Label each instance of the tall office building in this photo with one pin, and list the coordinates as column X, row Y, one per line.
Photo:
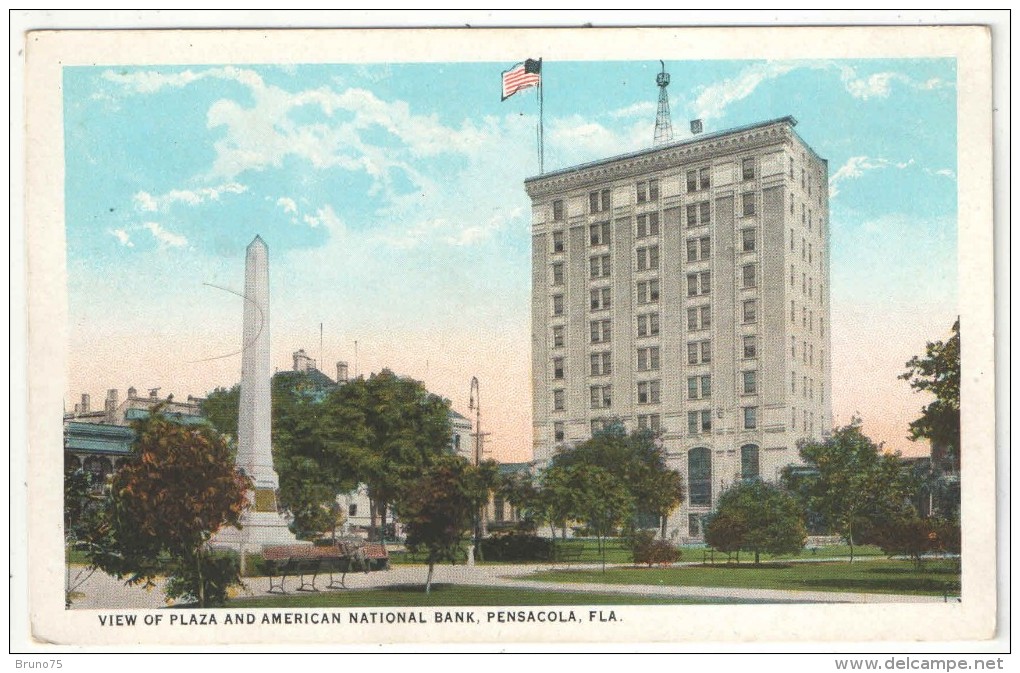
column 684, row 289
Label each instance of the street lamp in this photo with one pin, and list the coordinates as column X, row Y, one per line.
column 475, row 404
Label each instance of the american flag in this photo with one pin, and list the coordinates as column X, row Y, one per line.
column 522, row 76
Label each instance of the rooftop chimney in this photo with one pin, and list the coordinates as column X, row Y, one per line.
column 132, row 392
column 696, row 126
column 84, row 403
column 341, row 372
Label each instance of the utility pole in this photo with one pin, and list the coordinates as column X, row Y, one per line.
column 475, row 405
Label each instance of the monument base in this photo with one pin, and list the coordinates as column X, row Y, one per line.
column 258, row 530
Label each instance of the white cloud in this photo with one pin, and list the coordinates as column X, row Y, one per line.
column 287, row 204
column 164, row 237
column 946, row 173
column 123, row 236
column 855, row 167
column 711, row 101
column 151, row 81
column 879, row 84
column 641, row 109
column 147, row 202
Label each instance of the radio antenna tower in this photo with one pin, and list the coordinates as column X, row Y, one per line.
column 663, row 126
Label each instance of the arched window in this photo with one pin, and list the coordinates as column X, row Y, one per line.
column 71, row 463
column 749, row 464
column 699, row 476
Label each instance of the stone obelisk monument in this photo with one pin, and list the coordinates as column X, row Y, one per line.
column 262, row 524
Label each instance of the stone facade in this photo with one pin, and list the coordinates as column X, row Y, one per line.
column 685, row 289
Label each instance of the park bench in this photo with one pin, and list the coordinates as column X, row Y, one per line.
column 302, row 561
column 567, row 555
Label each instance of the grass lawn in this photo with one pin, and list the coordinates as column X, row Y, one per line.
column 450, row 594
column 868, row 576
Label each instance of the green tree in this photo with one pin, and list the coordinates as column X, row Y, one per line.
column 587, row 493
column 319, row 445
column 220, row 408
column 938, row 373
column 758, row 517
column 638, row 461
column 438, row 508
column 179, row 488
column 407, row 429
column 83, row 507
column 852, row 483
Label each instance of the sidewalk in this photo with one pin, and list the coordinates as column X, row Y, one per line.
column 103, row 591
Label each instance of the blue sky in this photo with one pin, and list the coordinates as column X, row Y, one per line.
column 391, row 197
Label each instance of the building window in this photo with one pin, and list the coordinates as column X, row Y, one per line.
column 648, row 324
column 750, row 382
column 699, row 318
column 651, row 422
column 699, row 476
column 601, row 298
column 749, row 464
column 748, row 169
column 558, row 210
column 748, row 203
column 352, row 509
column 648, row 258
column 694, row 525
column 598, row 233
column 559, row 431
column 750, row 347
column 599, row 201
column 809, row 249
column 699, row 214
column 749, row 276
column 601, row 363
column 648, row 392
column 598, row 425
column 793, row 311
column 647, row 291
column 791, row 167
column 600, row 266
column 748, row 240
column 648, row 191
column 750, row 418
column 698, row 179
column 558, row 368
column 601, row 397
column 699, row 422
column 557, row 239
column 699, row 352
column 647, row 225
column 699, row 249
column 557, row 304
column 699, row 387
column 559, row 397
column 601, row 331
column 648, row 359
column 557, row 273
column 558, row 336
column 699, row 283
column 751, row 310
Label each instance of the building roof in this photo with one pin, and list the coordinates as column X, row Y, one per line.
column 98, row 438
column 701, row 137
column 457, row 416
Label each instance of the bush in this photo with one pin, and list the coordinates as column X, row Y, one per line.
column 649, row 550
column 516, row 547
column 219, row 571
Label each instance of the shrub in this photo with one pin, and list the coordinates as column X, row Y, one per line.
column 649, row 550
column 219, row 571
column 515, row 546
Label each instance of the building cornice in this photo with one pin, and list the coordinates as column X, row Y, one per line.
column 627, row 166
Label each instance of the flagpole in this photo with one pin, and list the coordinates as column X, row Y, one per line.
column 541, row 138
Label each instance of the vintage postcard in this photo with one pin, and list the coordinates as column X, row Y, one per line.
column 633, row 335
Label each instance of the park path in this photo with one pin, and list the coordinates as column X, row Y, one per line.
column 102, row 591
